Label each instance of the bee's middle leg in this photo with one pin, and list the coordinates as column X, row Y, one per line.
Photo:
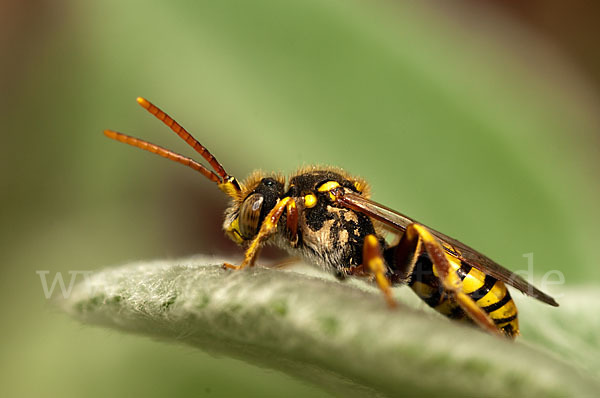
column 374, row 264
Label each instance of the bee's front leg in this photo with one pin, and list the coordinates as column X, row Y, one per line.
column 291, row 222
column 267, row 228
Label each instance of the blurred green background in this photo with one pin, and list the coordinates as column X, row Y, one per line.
column 467, row 117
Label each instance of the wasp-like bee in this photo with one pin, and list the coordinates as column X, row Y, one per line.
column 325, row 216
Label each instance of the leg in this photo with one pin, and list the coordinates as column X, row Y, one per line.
column 374, row 264
column 268, row 227
column 404, row 258
column 292, row 222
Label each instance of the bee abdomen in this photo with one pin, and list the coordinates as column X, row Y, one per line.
column 488, row 293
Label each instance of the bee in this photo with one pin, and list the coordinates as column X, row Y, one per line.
column 326, row 216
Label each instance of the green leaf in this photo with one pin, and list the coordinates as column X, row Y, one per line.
column 340, row 336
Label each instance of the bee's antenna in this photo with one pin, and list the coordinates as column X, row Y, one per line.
column 187, row 137
column 165, row 153
column 226, row 183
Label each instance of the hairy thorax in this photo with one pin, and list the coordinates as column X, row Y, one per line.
column 328, row 235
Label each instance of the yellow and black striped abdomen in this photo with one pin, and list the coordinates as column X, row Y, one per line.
column 488, row 293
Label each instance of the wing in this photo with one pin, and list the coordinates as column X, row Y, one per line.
column 453, row 247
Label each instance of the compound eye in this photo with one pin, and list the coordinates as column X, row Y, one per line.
column 250, row 215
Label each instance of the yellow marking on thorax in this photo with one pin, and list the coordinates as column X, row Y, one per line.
column 359, row 187
column 310, row 200
column 328, row 187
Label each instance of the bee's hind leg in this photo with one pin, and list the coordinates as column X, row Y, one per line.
column 403, row 259
column 267, row 228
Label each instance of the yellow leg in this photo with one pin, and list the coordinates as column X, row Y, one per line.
column 268, row 227
column 374, row 263
column 449, row 279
